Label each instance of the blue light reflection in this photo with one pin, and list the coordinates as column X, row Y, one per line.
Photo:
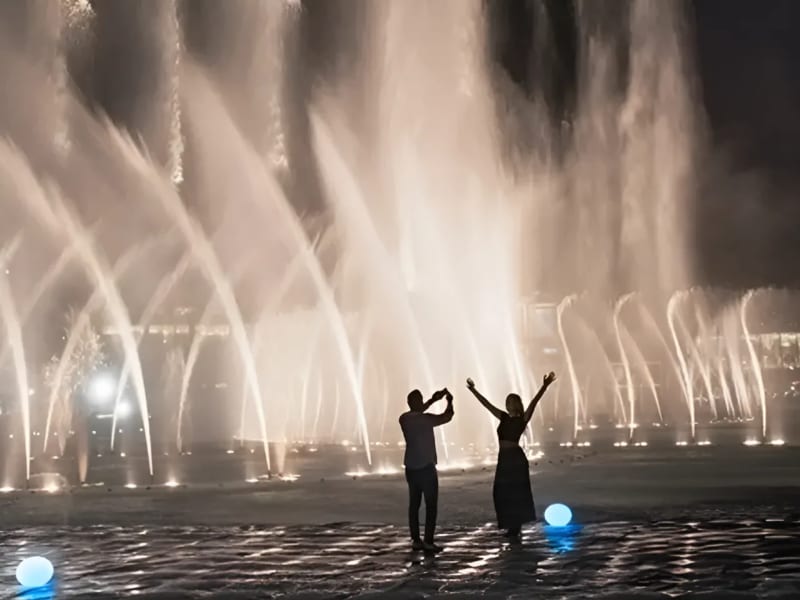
column 45, row 592
column 562, row 539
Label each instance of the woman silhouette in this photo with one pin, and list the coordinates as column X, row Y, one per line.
column 513, row 499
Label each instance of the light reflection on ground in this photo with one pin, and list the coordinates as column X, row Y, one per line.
column 750, row 556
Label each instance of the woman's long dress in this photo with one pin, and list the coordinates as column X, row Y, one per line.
column 513, row 498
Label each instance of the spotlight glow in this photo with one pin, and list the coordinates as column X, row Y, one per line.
column 124, row 409
column 131, row 486
column 455, row 466
column 102, row 388
column 752, row 442
column 6, row 489
column 388, row 471
column 34, row 572
column 777, row 442
column 558, row 515
column 172, row 483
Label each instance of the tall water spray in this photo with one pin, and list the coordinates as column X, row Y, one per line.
column 446, row 195
column 631, row 393
column 573, row 377
column 648, row 374
column 47, row 206
column 80, row 324
column 755, row 366
column 165, row 286
column 686, row 376
column 11, row 321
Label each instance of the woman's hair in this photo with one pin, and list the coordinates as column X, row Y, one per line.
column 514, row 404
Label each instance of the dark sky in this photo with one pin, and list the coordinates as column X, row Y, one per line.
column 749, row 61
column 748, row 58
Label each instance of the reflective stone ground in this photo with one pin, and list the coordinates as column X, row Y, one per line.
column 719, row 522
column 736, row 556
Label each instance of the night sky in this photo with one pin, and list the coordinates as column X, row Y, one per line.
column 748, row 59
column 748, row 55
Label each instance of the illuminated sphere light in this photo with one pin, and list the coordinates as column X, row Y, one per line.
column 558, row 515
column 34, row 572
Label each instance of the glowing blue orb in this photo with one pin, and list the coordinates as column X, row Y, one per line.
column 34, row 572
column 558, row 515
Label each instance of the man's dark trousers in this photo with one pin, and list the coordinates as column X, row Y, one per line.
column 422, row 482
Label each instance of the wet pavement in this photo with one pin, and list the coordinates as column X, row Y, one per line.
column 733, row 556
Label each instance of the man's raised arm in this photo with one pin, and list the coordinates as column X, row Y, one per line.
column 448, row 413
column 437, row 395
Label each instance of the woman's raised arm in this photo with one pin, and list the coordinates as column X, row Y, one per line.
column 548, row 379
column 499, row 414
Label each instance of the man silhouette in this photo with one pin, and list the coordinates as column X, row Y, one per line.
column 420, row 463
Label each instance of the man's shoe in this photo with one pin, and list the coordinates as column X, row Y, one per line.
column 417, row 545
column 431, row 548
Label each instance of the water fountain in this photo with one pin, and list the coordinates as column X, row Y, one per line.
column 288, row 310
